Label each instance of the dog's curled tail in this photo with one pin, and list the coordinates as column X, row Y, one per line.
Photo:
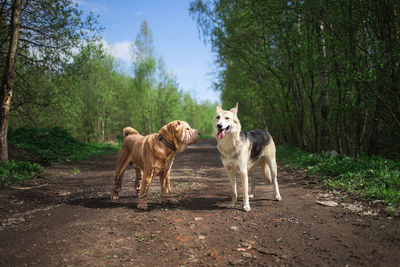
column 128, row 131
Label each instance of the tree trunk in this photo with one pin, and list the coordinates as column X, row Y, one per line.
column 325, row 138
column 7, row 82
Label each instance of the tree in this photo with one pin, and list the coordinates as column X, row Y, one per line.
column 44, row 32
column 144, row 71
column 320, row 74
column 7, row 83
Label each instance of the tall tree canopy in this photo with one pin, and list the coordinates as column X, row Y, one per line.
column 94, row 100
column 320, row 74
column 38, row 34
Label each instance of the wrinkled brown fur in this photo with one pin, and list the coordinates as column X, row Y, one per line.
column 151, row 157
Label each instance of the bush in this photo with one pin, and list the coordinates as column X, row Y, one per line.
column 17, row 171
column 372, row 177
column 55, row 144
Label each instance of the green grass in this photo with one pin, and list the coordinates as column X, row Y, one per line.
column 51, row 145
column 373, row 178
column 56, row 145
column 18, row 171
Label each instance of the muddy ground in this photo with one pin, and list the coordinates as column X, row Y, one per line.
column 68, row 219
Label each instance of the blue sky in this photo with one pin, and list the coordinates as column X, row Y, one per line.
column 175, row 35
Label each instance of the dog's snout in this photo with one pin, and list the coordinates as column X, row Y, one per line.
column 219, row 126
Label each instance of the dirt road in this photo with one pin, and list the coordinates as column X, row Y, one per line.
column 70, row 220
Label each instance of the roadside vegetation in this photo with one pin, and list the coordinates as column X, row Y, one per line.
column 18, row 171
column 372, row 178
column 46, row 146
column 55, row 145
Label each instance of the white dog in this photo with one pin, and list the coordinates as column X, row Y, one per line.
column 242, row 152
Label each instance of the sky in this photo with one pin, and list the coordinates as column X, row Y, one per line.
column 175, row 35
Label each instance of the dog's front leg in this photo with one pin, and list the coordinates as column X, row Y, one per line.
column 144, row 188
column 166, row 188
column 245, row 180
column 232, row 181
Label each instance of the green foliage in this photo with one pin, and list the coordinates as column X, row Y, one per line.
column 56, row 144
column 16, row 171
column 371, row 177
column 93, row 100
column 320, row 74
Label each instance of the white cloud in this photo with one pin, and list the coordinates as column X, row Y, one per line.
column 121, row 50
column 139, row 13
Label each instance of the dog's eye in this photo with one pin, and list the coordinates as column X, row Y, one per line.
column 187, row 129
column 217, row 117
column 226, row 118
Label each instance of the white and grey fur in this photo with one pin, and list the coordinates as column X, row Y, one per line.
column 241, row 152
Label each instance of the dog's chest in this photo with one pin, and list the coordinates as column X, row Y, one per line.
column 232, row 155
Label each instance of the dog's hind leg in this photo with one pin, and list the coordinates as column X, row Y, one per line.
column 266, row 171
column 274, row 173
column 232, row 181
column 253, row 182
column 138, row 180
column 119, row 173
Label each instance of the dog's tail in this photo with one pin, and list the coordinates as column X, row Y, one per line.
column 128, row 131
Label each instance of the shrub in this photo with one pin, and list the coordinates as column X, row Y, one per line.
column 17, row 171
column 372, row 177
column 55, row 144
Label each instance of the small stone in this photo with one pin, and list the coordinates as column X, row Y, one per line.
column 327, row 203
column 234, row 228
column 247, row 255
column 244, row 244
column 236, row 262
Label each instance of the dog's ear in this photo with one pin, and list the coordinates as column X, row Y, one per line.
column 218, row 107
column 235, row 109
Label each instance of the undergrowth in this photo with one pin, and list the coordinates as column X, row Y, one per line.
column 55, row 144
column 18, row 171
column 50, row 145
column 373, row 178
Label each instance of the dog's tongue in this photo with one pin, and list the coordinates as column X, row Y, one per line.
column 221, row 134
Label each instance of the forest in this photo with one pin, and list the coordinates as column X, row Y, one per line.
column 56, row 73
column 320, row 75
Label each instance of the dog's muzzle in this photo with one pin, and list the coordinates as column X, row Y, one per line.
column 195, row 137
column 221, row 132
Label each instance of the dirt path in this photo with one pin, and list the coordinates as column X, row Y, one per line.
column 70, row 221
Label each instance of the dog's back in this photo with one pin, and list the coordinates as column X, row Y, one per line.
column 258, row 139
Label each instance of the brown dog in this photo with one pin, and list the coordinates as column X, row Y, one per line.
column 152, row 155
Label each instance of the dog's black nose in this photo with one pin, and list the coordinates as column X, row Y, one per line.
column 219, row 126
column 198, row 132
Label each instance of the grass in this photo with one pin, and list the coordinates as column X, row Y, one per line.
column 51, row 145
column 373, row 178
column 56, row 145
column 18, row 171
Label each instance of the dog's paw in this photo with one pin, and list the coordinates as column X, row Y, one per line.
column 251, row 195
column 246, row 208
column 114, row 197
column 142, row 206
column 278, row 198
